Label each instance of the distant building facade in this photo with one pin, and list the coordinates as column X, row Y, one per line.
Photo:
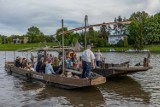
column 114, row 39
column 17, row 41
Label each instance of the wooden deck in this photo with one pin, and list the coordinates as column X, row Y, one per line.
column 55, row 79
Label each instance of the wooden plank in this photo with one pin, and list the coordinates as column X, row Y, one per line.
column 74, row 71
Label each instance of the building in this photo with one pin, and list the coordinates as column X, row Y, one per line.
column 17, row 41
column 114, row 39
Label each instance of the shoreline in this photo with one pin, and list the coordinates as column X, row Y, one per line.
column 129, row 49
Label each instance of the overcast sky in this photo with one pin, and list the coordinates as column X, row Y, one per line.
column 16, row 16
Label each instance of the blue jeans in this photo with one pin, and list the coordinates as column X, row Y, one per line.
column 98, row 63
column 86, row 69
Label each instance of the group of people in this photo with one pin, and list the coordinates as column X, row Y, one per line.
column 47, row 63
column 41, row 65
column 73, row 61
column 23, row 63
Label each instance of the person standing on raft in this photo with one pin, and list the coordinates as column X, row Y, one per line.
column 87, row 61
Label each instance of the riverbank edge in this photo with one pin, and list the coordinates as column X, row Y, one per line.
column 15, row 47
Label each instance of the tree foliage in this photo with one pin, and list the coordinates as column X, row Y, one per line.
column 35, row 35
column 120, row 43
column 103, row 32
column 119, row 28
column 3, row 39
column 69, row 38
column 137, row 29
column 125, row 42
column 153, row 29
column 91, row 36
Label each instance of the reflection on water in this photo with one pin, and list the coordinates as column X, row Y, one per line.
column 48, row 96
column 124, row 88
column 138, row 90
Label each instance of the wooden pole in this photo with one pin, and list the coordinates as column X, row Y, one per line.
column 5, row 56
column 62, row 48
column 27, row 55
column 14, row 55
column 86, row 19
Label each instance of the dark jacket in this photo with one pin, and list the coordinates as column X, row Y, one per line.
column 42, row 68
column 38, row 66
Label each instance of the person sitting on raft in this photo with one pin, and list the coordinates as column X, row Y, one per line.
column 68, row 62
column 39, row 63
column 18, row 61
column 42, row 67
column 56, row 61
column 75, row 62
column 48, row 68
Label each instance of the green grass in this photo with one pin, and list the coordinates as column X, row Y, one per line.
column 8, row 47
column 153, row 47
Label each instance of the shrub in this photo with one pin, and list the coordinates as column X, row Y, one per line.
column 125, row 42
column 120, row 43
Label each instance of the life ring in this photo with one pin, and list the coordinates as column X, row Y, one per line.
column 70, row 53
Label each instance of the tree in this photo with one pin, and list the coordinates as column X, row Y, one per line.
column 104, row 33
column 120, row 43
column 34, row 33
column 67, row 37
column 153, row 29
column 137, row 29
column 3, row 39
column 100, row 42
column 91, row 36
column 48, row 38
column 74, row 38
column 119, row 28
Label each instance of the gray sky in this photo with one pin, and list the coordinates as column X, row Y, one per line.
column 18, row 15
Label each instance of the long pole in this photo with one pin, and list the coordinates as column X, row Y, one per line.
column 27, row 54
column 5, row 56
column 62, row 47
column 86, row 17
column 14, row 55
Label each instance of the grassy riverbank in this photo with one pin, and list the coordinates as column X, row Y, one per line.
column 152, row 48
column 11, row 47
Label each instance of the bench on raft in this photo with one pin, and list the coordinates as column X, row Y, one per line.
column 74, row 71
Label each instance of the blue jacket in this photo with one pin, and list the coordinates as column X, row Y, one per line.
column 49, row 69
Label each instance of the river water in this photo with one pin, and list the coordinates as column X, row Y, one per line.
column 136, row 90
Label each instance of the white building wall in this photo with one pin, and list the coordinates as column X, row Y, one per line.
column 115, row 39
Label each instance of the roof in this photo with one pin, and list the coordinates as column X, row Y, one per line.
column 77, row 47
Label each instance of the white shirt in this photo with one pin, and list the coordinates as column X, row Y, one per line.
column 98, row 56
column 87, row 55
